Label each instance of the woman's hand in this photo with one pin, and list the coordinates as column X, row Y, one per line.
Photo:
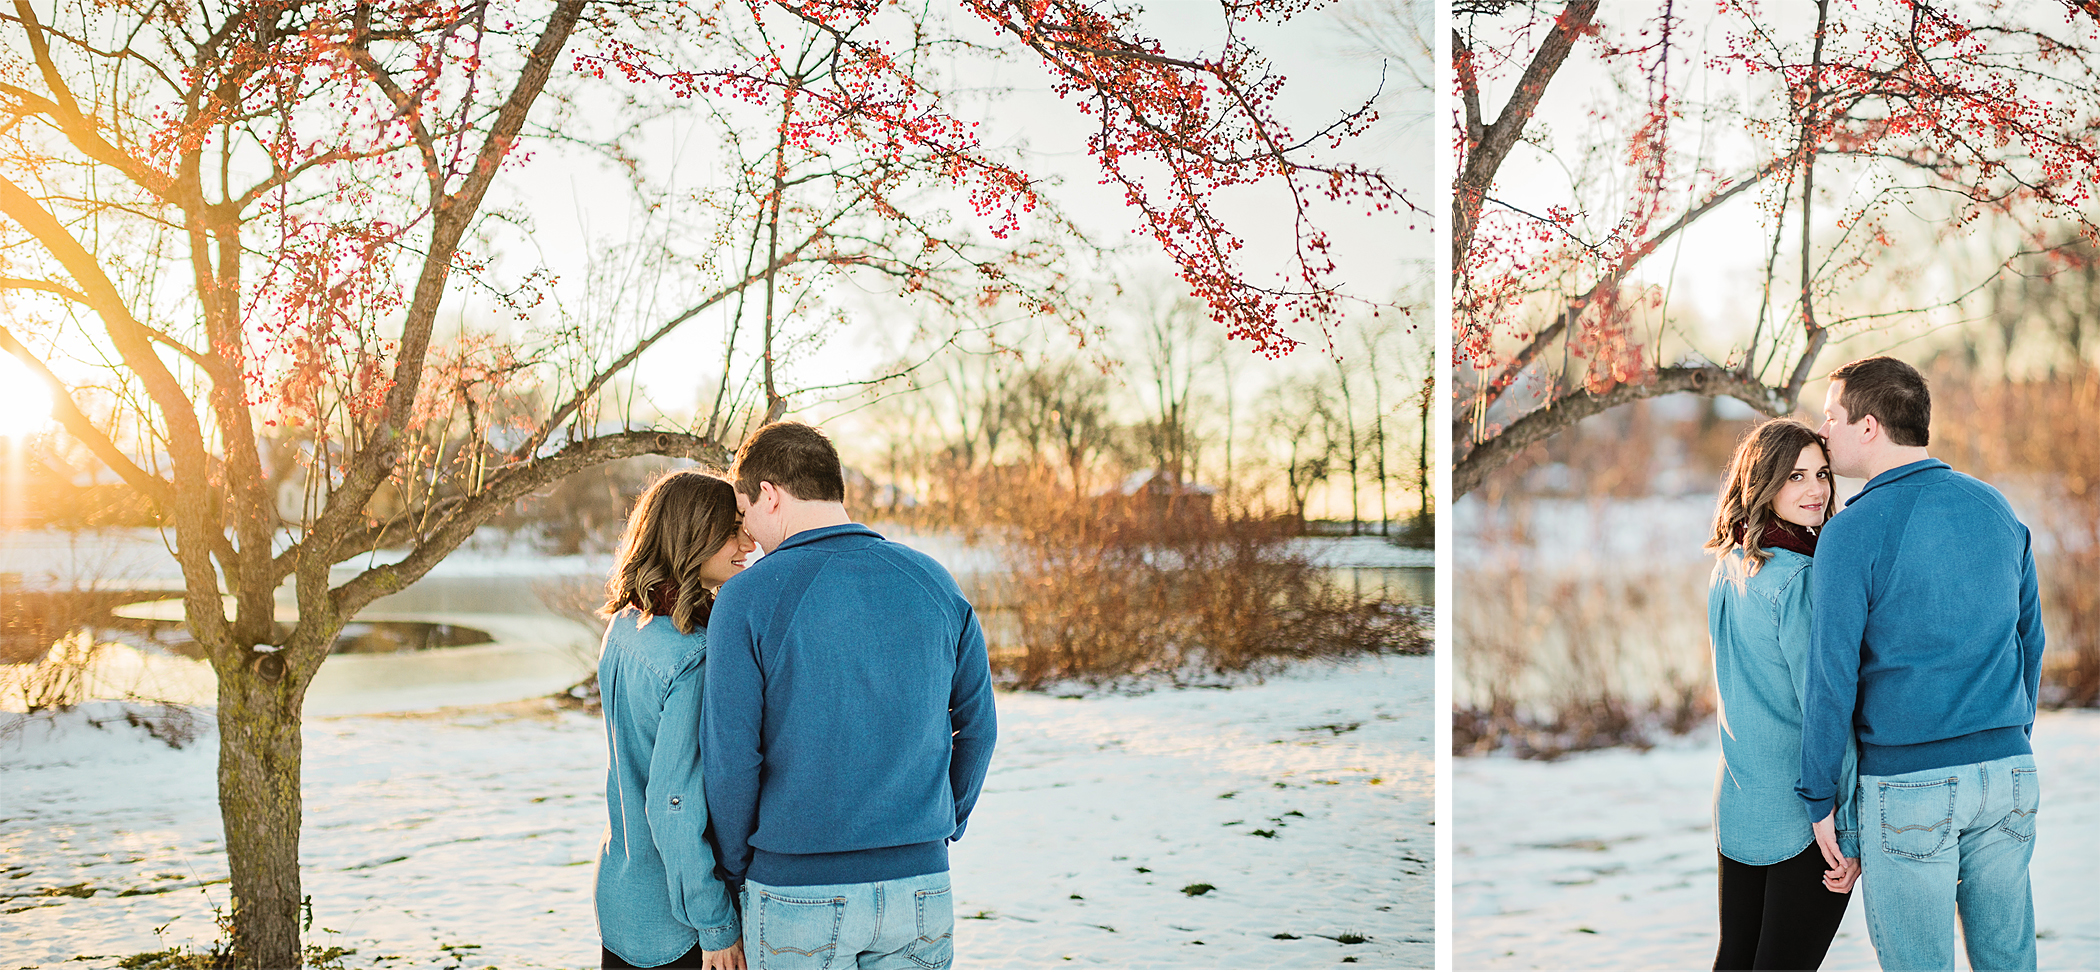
column 1841, row 879
column 728, row 958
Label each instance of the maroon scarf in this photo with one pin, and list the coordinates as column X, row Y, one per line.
column 1781, row 535
column 663, row 596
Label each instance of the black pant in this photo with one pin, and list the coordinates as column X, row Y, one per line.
column 1777, row 916
column 690, row 960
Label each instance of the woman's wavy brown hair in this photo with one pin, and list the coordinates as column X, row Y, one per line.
column 678, row 522
column 1763, row 458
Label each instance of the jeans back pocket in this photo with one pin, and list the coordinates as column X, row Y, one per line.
column 934, row 948
column 799, row 926
column 1916, row 818
column 2026, row 802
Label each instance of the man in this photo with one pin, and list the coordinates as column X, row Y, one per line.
column 1926, row 640
column 848, row 723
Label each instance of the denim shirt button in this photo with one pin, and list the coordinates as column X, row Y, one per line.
column 674, row 801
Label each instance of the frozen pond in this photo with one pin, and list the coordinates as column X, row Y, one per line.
column 493, row 639
column 494, row 622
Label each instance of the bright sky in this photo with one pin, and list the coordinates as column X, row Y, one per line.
column 579, row 204
column 1328, row 73
column 25, row 406
column 1714, row 271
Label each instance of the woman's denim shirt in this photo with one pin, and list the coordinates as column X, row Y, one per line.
column 1760, row 630
column 657, row 892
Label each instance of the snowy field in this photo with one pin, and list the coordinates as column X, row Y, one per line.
column 1606, row 860
column 466, row 837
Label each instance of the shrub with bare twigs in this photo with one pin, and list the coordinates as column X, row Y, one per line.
column 1105, row 586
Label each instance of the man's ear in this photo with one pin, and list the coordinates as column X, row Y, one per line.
column 1869, row 429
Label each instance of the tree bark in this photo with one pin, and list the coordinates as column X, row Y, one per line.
column 260, row 754
column 1487, row 144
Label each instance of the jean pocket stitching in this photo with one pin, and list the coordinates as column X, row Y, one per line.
column 2027, row 802
column 835, row 905
column 925, row 951
column 1943, row 827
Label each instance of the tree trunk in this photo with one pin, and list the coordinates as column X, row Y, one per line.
column 259, row 762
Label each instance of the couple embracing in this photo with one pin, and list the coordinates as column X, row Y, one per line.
column 793, row 746
column 1877, row 671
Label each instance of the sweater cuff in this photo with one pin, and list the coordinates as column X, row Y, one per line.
column 1818, row 809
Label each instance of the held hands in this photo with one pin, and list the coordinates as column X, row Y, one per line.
column 1843, row 870
column 728, row 958
column 1840, row 881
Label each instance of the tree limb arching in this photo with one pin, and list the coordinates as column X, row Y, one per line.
column 1968, row 103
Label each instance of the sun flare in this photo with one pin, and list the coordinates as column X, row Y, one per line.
column 25, row 405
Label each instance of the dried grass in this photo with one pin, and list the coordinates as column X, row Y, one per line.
column 2036, row 440
column 1556, row 662
column 1108, row 587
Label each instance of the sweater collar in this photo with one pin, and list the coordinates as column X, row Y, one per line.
column 1900, row 472
column 824, row 533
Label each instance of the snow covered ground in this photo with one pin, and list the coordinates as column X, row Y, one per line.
column 466, row 837
column 1606, row 860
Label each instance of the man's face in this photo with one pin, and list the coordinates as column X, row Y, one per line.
column 762, row 515
column 1846, row 447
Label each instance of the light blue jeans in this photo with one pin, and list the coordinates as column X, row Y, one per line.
column 907, row 923
column 1941, row 840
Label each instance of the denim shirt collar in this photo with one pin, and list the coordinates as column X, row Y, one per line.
column 824, row 533
column 1900, row 472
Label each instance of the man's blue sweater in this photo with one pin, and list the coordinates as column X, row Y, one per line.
column 848, row 721
column 1927, row 631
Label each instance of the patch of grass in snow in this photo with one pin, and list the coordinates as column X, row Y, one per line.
column 1336, row 728
column 1580, row 843
column 1195, row 890
column 1285, row 936
column 1352, row 938
column 81, row 890
column 1263, row 833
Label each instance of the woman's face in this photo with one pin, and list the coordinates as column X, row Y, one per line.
column 726, row 562
column 1804, row 499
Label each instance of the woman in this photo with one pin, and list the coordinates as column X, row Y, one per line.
column 659, row 902
column 1780, row 906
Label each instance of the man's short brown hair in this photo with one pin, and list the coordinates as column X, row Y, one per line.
column 1891, row 391
column 795, row 457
